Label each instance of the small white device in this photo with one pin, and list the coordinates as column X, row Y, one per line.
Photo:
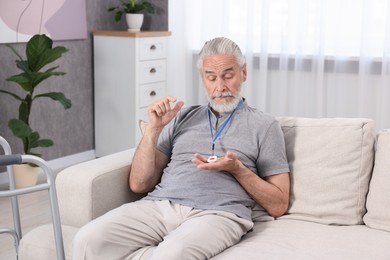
column 212, row 159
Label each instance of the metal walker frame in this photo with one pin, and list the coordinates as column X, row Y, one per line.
column 9, row 159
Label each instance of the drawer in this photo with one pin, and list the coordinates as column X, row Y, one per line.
column 152, row 71
column 152, row 48
column 150, row 93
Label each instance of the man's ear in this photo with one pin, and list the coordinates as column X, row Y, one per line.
column 244, row 73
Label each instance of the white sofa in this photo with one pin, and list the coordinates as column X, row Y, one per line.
column 339, row 206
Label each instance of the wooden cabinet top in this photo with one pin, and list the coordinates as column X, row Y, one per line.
column 132, row 34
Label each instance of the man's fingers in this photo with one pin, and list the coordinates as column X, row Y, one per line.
column 230, row 155
column 178, row 106
column 198, row 159
column 163, row 106
column 158, row 109
column 171, row 99
column 166, row 103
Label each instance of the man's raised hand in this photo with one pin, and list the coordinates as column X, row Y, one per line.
column 161, row 113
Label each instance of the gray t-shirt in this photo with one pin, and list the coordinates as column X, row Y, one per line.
column 254, row 136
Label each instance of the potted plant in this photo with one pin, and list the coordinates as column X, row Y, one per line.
column 132, row 9
column 39, row 53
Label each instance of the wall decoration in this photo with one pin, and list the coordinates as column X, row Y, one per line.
column 59, row 19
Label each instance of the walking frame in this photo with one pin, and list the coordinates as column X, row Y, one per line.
column 9, row 159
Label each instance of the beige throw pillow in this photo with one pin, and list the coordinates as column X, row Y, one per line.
column 378, row 199
column 330, row 162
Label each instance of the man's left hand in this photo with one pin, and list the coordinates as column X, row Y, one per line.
column 228, row 163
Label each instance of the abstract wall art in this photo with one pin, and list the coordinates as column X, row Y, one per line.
column 59, row 19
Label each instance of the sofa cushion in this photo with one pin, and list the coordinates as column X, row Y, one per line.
column 330, row 162
column 39, row 243
column 303, row 240
column 378, row 199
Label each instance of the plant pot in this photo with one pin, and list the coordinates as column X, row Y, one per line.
column 25, row 175
column 134, row 22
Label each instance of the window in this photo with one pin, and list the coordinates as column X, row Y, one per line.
column 329, row 27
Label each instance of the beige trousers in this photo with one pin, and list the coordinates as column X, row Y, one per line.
column 158, row 230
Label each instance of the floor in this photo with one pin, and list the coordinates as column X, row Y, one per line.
column 34, row 211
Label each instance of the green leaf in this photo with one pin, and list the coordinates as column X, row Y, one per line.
column 23, row 65
column 37, row 45
column 19, row 128
column 57, row 96
column 11, row 94
column 23, row 80
column 118, row 16
column 148, row 7
column 49, row 56
column 42, row 143
column 35, row 141
column 33, row 137
column 39, row 52
column 38, row 77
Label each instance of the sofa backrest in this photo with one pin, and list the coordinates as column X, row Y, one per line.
column 331, row 163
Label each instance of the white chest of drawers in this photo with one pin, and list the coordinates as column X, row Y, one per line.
column 129, row 73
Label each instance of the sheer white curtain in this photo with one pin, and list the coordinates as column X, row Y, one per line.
column 310, row 58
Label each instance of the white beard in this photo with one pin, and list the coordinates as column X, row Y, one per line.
column 225, row 106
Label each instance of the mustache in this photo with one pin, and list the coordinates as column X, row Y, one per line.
column 222, row 94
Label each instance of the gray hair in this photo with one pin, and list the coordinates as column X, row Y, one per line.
column 221, row 45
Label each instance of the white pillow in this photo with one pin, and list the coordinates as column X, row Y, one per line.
column 330, row 161
column 378, row 199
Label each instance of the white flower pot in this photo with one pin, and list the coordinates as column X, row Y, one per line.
column 134, row 22
column 25, row 175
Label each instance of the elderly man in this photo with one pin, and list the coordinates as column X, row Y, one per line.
column 205, row 168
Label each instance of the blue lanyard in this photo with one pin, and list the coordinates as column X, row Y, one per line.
column 214, row 138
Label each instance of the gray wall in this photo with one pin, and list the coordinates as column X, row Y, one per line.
column 71, row 130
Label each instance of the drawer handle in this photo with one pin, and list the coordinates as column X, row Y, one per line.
column 152, row 70
column 153, row 47
column 152, row 93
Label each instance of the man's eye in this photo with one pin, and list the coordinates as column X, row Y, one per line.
column 228, row 76
column 211, row 78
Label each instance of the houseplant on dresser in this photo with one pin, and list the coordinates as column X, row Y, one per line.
column 39, row 53
column 133, row 12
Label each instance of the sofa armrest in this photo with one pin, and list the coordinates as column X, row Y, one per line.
column 90, row 189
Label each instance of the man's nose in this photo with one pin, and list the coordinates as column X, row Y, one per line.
column 221, row 85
